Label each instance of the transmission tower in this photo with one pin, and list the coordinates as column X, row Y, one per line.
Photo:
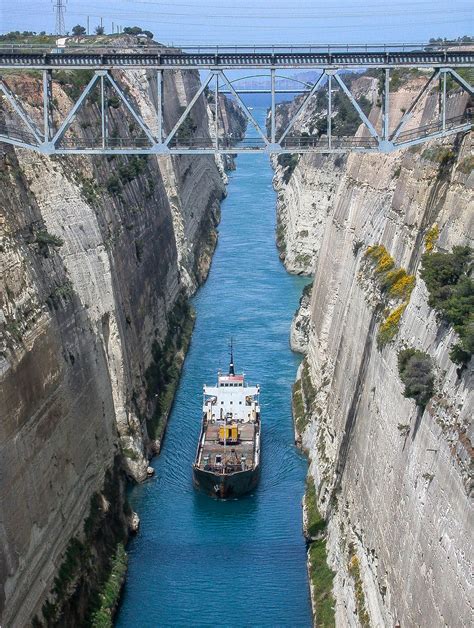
column 60, row 7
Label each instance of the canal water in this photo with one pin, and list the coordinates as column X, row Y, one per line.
column 197, row 561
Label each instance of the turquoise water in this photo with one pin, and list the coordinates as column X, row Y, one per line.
column 202, row 562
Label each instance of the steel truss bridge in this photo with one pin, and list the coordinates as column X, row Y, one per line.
column 214, row 64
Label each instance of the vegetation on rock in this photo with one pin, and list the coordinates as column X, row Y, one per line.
column 321, row 579
column 442, row 155
column 300, row 416
column 466, row 165
column 448, row 278
column 394, row 283
column 102, row 618
column 167, row 359
column 46, row 240
column 307, row 385
column 416, row 372
column 288, row 164
column 354, row 570
column 90, row 559
column 315, row 522
column 431, row 238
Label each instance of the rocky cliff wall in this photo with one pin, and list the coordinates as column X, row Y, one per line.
column 97, row 256
column 393, row 479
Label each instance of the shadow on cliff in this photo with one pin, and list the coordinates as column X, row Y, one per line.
column 354, row 406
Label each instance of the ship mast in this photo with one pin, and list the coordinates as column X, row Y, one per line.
column 231, row 365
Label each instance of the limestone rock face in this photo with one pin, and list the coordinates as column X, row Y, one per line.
column 393, row 481
column 300, row 325
column 94, row 254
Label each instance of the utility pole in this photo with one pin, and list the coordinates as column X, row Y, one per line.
column 88, row 31
column 60, row 8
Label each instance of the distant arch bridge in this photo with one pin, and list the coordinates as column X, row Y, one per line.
column 444, row 65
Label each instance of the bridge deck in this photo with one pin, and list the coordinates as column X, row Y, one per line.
column 19, row 59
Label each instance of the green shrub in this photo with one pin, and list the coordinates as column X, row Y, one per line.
column 466, row 165
column 74, row 82
column 458, row 355
column 76, row 554
column 187, row 129
column 451, row 293
column 439, row 154
column 113, row 185
column 416, row 372
column 347, row 120
column 114, row 101
column 288, row 163
column 46, row 240
column 132, row 168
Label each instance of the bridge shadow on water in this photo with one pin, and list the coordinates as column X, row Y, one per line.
column 198, row 561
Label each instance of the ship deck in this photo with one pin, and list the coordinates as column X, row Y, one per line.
column 245, row 447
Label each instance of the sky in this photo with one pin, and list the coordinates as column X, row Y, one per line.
column 186, row 22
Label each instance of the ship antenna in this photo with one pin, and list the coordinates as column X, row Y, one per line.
column 231, row 365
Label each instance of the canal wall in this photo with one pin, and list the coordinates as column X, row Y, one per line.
column 392, row 478
column 98, row 257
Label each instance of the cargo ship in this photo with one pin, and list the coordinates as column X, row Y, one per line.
column 227, row 460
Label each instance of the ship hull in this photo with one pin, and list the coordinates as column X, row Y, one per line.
column 228, row 485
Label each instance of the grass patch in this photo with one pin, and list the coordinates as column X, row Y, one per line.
column 102, row 618
column 322, row 580
column 131, row 454
column 303, row 259
column 316, row 523
column 300, row 416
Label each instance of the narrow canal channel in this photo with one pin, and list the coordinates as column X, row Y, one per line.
column 198, row 561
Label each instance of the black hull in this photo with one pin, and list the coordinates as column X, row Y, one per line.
column 225, row 486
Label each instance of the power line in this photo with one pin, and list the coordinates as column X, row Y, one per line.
column 60, row 8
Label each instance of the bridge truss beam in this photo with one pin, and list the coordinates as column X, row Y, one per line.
column 49, row 140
